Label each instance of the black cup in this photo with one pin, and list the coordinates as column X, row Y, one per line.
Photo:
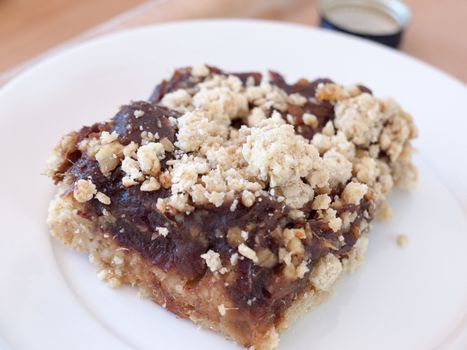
column 383, row 21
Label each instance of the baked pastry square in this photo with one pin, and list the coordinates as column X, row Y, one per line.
column 233, row 200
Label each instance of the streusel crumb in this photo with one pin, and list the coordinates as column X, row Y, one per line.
column 84, row 190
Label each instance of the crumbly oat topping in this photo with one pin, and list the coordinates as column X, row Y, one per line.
column 267, row 96
column 133, row 172
column 108, row 156
column 149, row 156
column 278, row 156
column 130, row 150
column 151, row 184
column 296, row 99
column 302, row 269
column 200, row 71
column 107, row 138
column 213, row 260
column 353, row 193
column 334, row 222
column 179, row 100
column 321, row 201
column 84, row 190
column 326, row 272
column 219, row 163
column 292, row 254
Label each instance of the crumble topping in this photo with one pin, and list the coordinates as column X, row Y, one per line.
column 321, row 201
column 108, row 156
column 326, row 272
column 179, row 100
column 213, row 261
column 133, row 172
column 277, row 155
column 84, row 190
column 200, row 71
column 149, row 157
column 107, row 138
column 334, row 222
column 354, row 192
column 296, row 99
column 292, row 254
column 217, row 163
column 267, row 97
column 302, row 269
column 151, row 184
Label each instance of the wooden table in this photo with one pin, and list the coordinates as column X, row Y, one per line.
column 436, row 35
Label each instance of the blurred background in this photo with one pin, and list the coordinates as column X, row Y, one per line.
column 33, row 29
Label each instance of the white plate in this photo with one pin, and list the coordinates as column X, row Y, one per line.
column 413, row 298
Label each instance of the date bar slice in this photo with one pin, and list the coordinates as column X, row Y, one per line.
column 234, row 200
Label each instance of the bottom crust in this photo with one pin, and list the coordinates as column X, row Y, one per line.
column 119, row 265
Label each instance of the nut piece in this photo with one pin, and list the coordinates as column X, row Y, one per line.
column 132, row 170
column 200, row 71
column 302, row 269
column 247, row 252
column 326, row 272
column 108, row 157
column 150, row 185
column 103, row 198
column 330, row 91
column 310, row 120
column 213, row 260
column 334, row 222
column 168, row 146
column 248, row 198
column 138, row 113
column 296, row 99
column 163, row 231
column 321, row 201
column 130, row 150
column 148, row 157
column 266, row 258
column 106, row 137
column 84, row 190
column 354, row 192
column 234, row 259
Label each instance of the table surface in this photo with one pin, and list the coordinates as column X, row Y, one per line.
column 31, row 30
